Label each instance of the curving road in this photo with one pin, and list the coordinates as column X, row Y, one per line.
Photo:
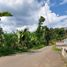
column 44, row 57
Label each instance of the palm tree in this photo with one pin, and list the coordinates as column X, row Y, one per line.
column 5, row 14
column 39, row 29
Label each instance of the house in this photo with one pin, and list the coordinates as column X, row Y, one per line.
column 63, row 46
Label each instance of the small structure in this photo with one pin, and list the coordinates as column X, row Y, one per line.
column 63, row 46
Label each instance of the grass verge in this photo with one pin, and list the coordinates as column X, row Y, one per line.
column 54, row 48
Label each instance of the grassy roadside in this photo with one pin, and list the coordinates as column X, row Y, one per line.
column 54, row 48
column 10, row 51
column 37, row 47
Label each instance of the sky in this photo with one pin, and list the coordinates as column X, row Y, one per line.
column 27, row 12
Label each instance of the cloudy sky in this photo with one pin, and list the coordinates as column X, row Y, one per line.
column 27, row 12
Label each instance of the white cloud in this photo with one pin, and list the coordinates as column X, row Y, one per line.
column 50, row 16
column 63, row 24
column 31, row 28
column 26, row 15
column 11, row 2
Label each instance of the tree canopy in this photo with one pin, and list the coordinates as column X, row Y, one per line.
column 5, row 14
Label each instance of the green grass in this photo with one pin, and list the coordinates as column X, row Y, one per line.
column 5, row 51
column 54, row 48
column 9, row 51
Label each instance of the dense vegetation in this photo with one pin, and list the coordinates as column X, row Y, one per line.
column 24, row 40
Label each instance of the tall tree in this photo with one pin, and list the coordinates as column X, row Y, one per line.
column 39, row 31
column 47, row 35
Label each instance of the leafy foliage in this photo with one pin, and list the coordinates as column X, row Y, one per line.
column 22, row 41
column 5, row 14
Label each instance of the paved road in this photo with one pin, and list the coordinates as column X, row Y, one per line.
column 43, row 58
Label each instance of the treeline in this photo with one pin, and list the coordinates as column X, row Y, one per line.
column 24, row 40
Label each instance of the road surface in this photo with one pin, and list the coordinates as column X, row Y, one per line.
column 44, row 57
